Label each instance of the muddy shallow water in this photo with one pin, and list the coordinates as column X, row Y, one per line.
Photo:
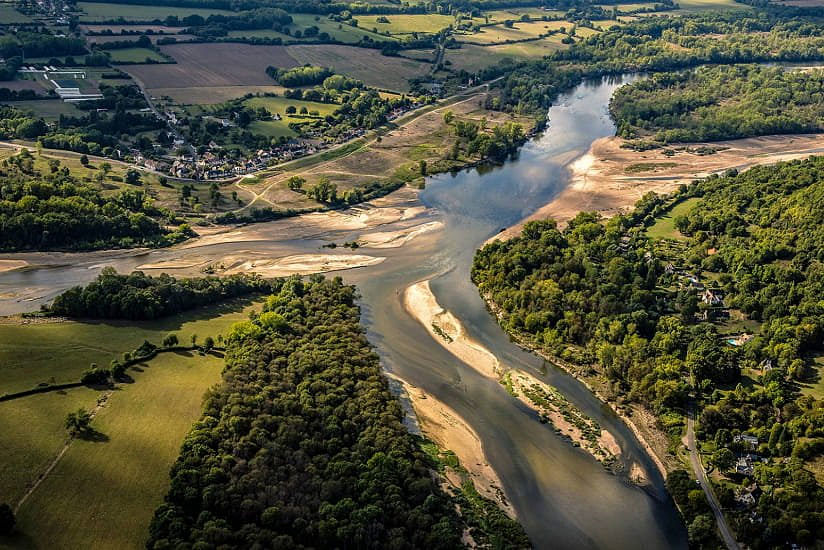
column 563, row 497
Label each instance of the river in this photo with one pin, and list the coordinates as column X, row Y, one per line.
column 563, row 497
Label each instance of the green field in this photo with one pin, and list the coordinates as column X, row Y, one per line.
column 33, row 434
column 49, row 109
column 135, row 55
column 10, row 16
column 496, row 34
column 664, row 227
column 60, row 352
column 94, row 11
column 277, row 128
column 815, row 384
column 406, row 24
column 692, row 6
column 103, row 492
column 340, row 31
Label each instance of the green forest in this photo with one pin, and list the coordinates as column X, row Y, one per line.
column 303, row 446
column 54, row 210
column 724, row 102
column 645, row 315
column 138, row 297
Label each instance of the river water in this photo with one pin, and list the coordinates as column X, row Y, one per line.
column 563, row 497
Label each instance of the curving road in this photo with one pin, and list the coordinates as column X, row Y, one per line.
column 701, row 476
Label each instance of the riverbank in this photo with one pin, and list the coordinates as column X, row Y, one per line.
column 609, row 179
column 552, row 407
column 640, row 422
column 441, row 424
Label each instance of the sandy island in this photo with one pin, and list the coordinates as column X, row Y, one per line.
column 610, row 180
column 447, row 330
column 10, row 265
column 395, row 239
column 553, row 407
column 448, row 430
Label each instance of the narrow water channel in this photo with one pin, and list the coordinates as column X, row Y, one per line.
column 563, row 497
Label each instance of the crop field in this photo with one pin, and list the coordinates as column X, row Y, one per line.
column 49, row 109
column 118, row 478
column 277, row 128
column 365, row 64
column 59, row 352
column 205, row 65
column 10, row 16
column 135, row 55
column 406, row 24
column 94, row 11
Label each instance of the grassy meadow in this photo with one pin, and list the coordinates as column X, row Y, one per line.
column 59, row 352
column 135, row 55
column 664, row 227
column 120, row 476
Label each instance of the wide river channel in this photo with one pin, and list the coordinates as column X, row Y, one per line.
column 563, row 497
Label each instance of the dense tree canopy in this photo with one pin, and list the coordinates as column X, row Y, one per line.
column 302, row 445
column 137, row 296
column 724, row 102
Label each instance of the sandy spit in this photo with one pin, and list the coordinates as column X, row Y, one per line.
column 447, row 330
column 10, row 265
column 440, row 423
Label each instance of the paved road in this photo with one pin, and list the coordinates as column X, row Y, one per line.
column 701, row 476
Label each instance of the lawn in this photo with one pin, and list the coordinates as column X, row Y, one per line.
column 664, row 227
column 406, row 24
column 277, row 128
column 98, row 11
column 60, row 352
column 135, row 55
column 103, row 492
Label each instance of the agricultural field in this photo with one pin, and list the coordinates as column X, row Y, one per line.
column 694, row 6
column 102, row 39
column 211, row 95
column 471, row 57
column 340, row 31
column 278, row 105
column 138, row 436
column 49, row 109
column 391, row 73
column 515, row 14
column 59, row 352
column 135, row 55
column 206, row 65
column 151, row 30
column 10, row 16
column 406, row 24
column 94, row 11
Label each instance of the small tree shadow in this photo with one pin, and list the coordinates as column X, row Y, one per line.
column 90, row 434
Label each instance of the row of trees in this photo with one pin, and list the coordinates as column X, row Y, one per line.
column 138, row 296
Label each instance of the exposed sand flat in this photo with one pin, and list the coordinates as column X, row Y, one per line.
column 300, row 264
column 567, row 419
column 395, row 239
column 609, row 179
column 8, row 265
column 447, row 330
column 177, row 263
column 447, row 428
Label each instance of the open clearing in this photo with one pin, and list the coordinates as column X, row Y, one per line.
column 120, row 477
column 99, row 11
column 59, row 352
column 278, row 105
column 664, row 226
column 392, row 73
column 205, row 65
column 496, row 34
column 210, row 95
